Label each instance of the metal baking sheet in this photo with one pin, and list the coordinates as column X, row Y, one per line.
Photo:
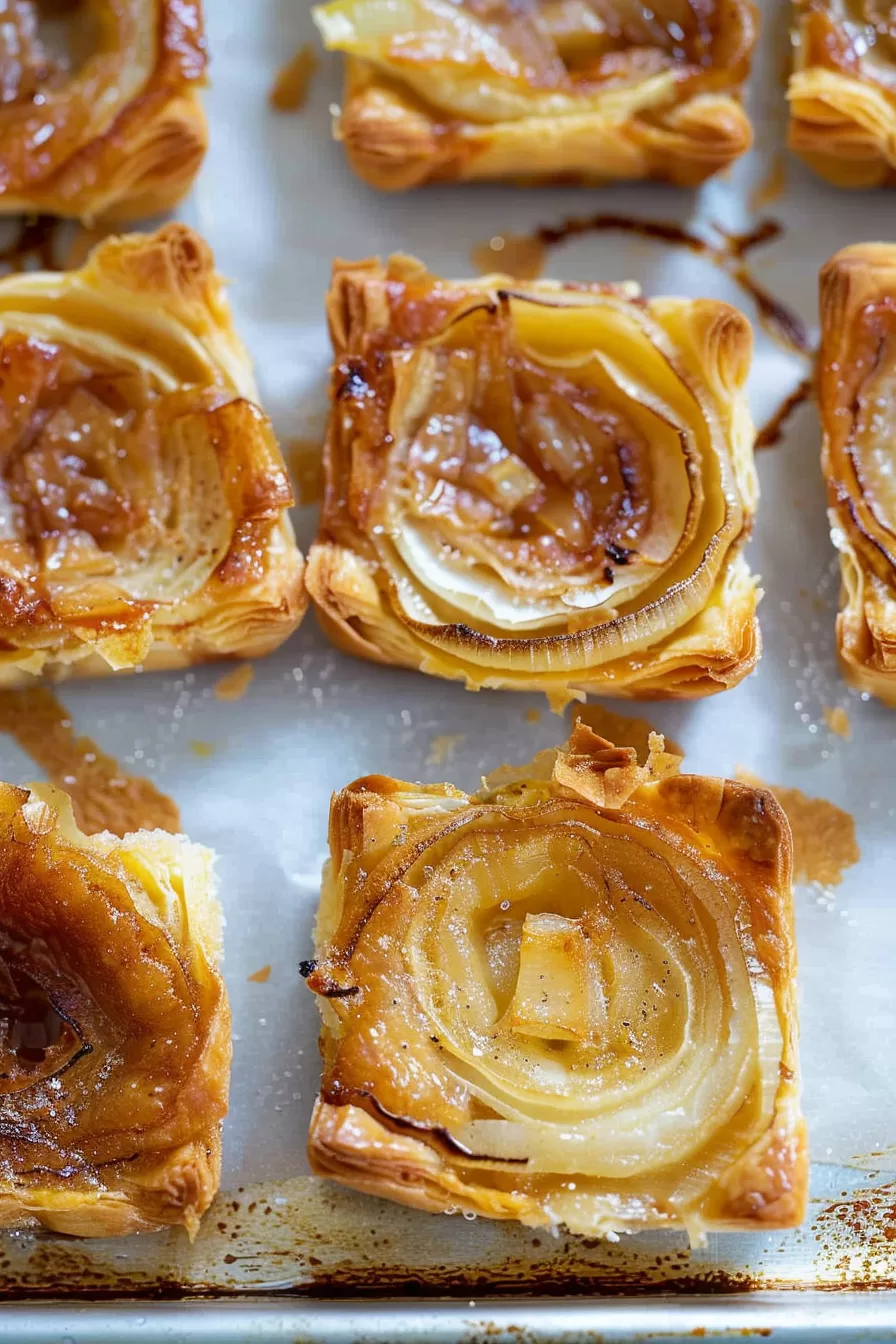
column 277, row 202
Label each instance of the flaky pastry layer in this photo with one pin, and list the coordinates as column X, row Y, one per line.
column 122, row 134
column 115, row 1025
column 145, row 496
column 567, row 999
column 537, row 486
column 842, row 91
column 547, row 90
column 856, row 370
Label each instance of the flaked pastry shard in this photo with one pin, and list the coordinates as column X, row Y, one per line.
column 116, row 131
column 856, row 380
column 543, row 90
column 144, row 495
column 537, row 487
column 842, row 90
column 568, row 999
column 114, row 1024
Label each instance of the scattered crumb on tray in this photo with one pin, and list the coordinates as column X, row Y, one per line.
column 622, row 730
column 510, row 254
column 837, row 720
column 824, row 836
column 261, row 976
column 289, row 91
column 533, row 716
column 202, row 749
column 441, row 749
column 234, row 684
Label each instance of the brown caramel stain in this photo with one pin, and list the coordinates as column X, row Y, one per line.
column 202, row 749
column 306, row 469
column 33, row 246
column 824, row 836
column 290, row 89
column 771, row 188
column 837, row 720
column 868, row 1215
column 772, row 431
column 442, row 749
column 261, row 976
column 533, row 716
column 234, row 685
column 104, row 796
column 518, row 255
column 727, row 251
column 622, row 730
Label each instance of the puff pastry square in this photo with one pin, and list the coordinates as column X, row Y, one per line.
column 543, row 90
column 144, row 495
column 568, row 999
column 114, row 1024
column 842, row 91
column 118, row 131
column 537, row 487
column 856, row 377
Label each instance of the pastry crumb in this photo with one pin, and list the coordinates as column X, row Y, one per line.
column 441, row 749
column 837, row 720
column 533, row 716
column 202, row 749
column 261, row 976
column 234, row 685
column 824, row 835
column 290, row 89
column 622, row 730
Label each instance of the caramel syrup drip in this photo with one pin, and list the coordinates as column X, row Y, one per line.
column 104, row 796
column 729, row 254
column 772, row 431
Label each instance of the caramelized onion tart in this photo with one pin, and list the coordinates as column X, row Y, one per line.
column 856, row 381
column 587, row 90
column 144, row 496
column 116, row 131
column 114, row 1024
column 568, row 999
column 538, row 487
column 842, row 91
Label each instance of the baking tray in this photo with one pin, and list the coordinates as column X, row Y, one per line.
column 282, row 1254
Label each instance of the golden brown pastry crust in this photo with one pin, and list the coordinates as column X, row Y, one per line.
column 855, row 396
column 146, row 497
column 842, row 91
column 119, row 138
column 114, row 1025
column 548, row 90
column 604, row 552
column 463, row 1071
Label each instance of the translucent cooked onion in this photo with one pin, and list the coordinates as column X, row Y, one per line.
column 584, row 976
column 538, row 488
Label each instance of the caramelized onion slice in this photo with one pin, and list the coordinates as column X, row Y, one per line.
column 114, row 1024
column 580, row 979
column 544, row 488
column 143, row 496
